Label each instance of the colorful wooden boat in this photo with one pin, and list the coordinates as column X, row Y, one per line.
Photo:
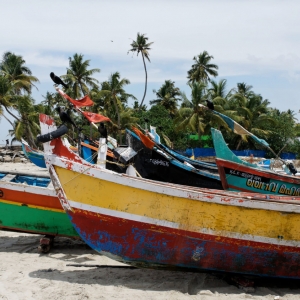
column 29, row 204
column 89, row 153
column 157, row 164
column 153, row 224
column 202, row 165
column 35, row 156
column 239, row 175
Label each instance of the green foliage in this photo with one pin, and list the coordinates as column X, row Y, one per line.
column 141, row 45
column 283, row 132
column 168, row 96
column 79, row 77
column 202, row 68
column 242, row 104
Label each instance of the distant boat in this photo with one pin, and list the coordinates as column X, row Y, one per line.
column 29, row 203
column 239, row 175
column 34, row 155
column 89, row 153
column 158, row 164
column 154, row 224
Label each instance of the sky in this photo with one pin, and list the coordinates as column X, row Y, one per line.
column 255, row 42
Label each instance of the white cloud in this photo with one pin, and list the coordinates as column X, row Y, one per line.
column 248, row 39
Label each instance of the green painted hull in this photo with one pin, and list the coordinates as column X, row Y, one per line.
column 35, row 220
column 239, row 175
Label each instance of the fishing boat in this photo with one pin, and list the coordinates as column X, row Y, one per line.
column 34, row 155
column 29, row 204
column 152, row 162
column 239, row 175
column 199, row 164
column 89, row 151
column 154, row 224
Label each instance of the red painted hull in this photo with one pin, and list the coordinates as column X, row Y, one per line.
column 148, row 245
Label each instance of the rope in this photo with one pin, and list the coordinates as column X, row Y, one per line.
column 77, row 175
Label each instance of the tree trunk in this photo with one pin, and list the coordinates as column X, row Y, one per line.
column 11, row 123
column 119, row 119
column 145, row 81
column 12, row 114
column 239, row 144
column 30, row 135
column 90, row 109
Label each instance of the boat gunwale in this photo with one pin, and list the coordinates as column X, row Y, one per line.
column 258, row 201
column 259, row 172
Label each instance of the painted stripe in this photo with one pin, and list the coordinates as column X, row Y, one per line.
column 27, row 188
column 35, row 220
column 259, row 172
column 152, row 245
column 184, row 211
column 173, row 225
column 174, row 190
column 28, row 198
column 60, row 210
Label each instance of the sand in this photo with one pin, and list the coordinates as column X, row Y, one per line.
column 71, row 270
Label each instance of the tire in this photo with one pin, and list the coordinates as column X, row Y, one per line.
column 52, row 135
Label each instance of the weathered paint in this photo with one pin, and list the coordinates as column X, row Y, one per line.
column 244, row 178
column 239, row 175
column 186, row 213
column 149, row 223
column 34, row 156
column 33, row 219
column 33, row 209
column 160, row 165
column 152, row 245
column 152, row 227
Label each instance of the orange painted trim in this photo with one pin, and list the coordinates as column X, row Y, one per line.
column 20, row 197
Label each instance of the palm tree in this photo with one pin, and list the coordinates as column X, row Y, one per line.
column 218, row 91
column 141, row 45
column 251, row 112
column 79, row 77
column 190, row 116
column 127, row 120
column 113, row 92
column 26, row 125
column 202, row 68
column 51, row 100
column 168, row 96
column 13, row 68
column 7, row 96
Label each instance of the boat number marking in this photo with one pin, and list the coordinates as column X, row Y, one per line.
column 158, row 162
column 265, row 184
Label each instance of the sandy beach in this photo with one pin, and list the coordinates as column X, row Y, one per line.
column 71, row 270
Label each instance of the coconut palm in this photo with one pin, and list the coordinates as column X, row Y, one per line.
column 190, row 116
column 26, row 124
column 141, row 45
column 79, row 77
column 193, row 117
column 51, row 100
column 113, row 92
column 168, row 96
column 7, row 96
column 13, row 68
column 218, row 91
column 202, row 68
column 127, row 120
column 220, row 97
column 251, row 112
